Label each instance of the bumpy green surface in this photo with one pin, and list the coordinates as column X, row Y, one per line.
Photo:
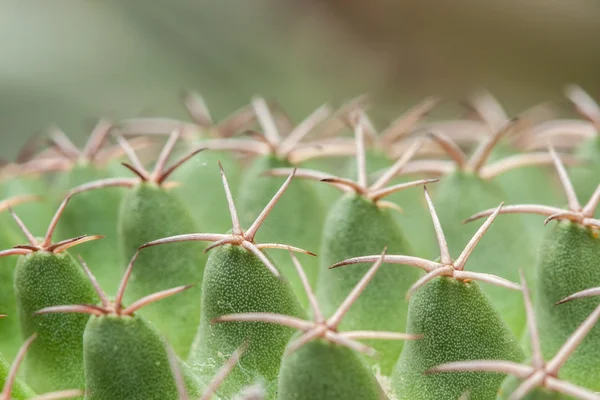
column 414, row 218
column 324, row 371
column 503, row 250
column 357, row 227
column 10, row 332
column 93, row 213
column 35, row 215
column 335, row 166
column 235, row 281
column 568, row 263
column 529, row 185
column 457, row 323
column 511, row 384
column 55, row 359
column 202, row 188
column 297, row 219
column 125, row 359
column 585, row 177
column 20, row 390
column 148, row 213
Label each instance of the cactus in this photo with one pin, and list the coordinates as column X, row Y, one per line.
column 13, row 389
column 198, row 177
column 149, row 211
column 589, row 150
column 358, row 223
column 322, row 363
column 124, row 355
column 255, row 189
column 239, row 277
column 567, row 264
column 472, row 179
column 46, row 275
column 444, row 300
column 9, row 328
column 247, row 322
column 540, row 374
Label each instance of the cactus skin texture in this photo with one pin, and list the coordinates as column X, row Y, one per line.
column 297, row 218
column 94, row 212
column 457, row 323
column 354, row 227
column 20, row 391
column 35, row 215
column 125, row 359
column 585, row 177
column 503, row 250
column 568, row 263
column 329, row 371
column 511, row 384
column 10, row 331
column 200, row 183
column 55, row 359
column 150, row 212
column 236, row 281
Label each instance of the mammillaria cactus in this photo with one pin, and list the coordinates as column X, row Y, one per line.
column 360, row 222
column 124, row 356
column 445, row 300
column 568, row 263
column 322, row 355
column 9, row 236
column 540, row 373
column 46, row 275
column 13, row 389
column 234, row 312
column 149, row 211
column 239, row 277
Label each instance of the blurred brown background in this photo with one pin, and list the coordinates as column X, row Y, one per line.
column 69, row 62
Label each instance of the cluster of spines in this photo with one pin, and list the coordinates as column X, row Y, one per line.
column 271, row 143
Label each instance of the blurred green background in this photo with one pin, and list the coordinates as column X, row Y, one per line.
column 70, row 62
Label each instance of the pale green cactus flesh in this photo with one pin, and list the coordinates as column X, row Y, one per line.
column 322, row 355
column 124, row 356
column 239, row 277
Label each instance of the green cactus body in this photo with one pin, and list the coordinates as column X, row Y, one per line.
column 236, row 281
column 44, row 279
column 35, row 214
column 568, row 263
column 10, row 331
column 20, row 391
column 149, row 212
column 125, row 359
column 200, row 187
column 504, row 250
column 297, row 218
column 322, row 370
column 93, row 212
column 585, row 177
column 336, row 166
column 511, row 384
column 528, row 185
column 356, row 226
column 457, row 323
column 414, row 216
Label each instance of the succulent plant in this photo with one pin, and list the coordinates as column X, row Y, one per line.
column 321, row 354
column 46, row 275
column 239, row 277
column 124, row 356
column 567, row 263
column 235, row 321
column 149, row 211
column 540, row 374
column 447, row 299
